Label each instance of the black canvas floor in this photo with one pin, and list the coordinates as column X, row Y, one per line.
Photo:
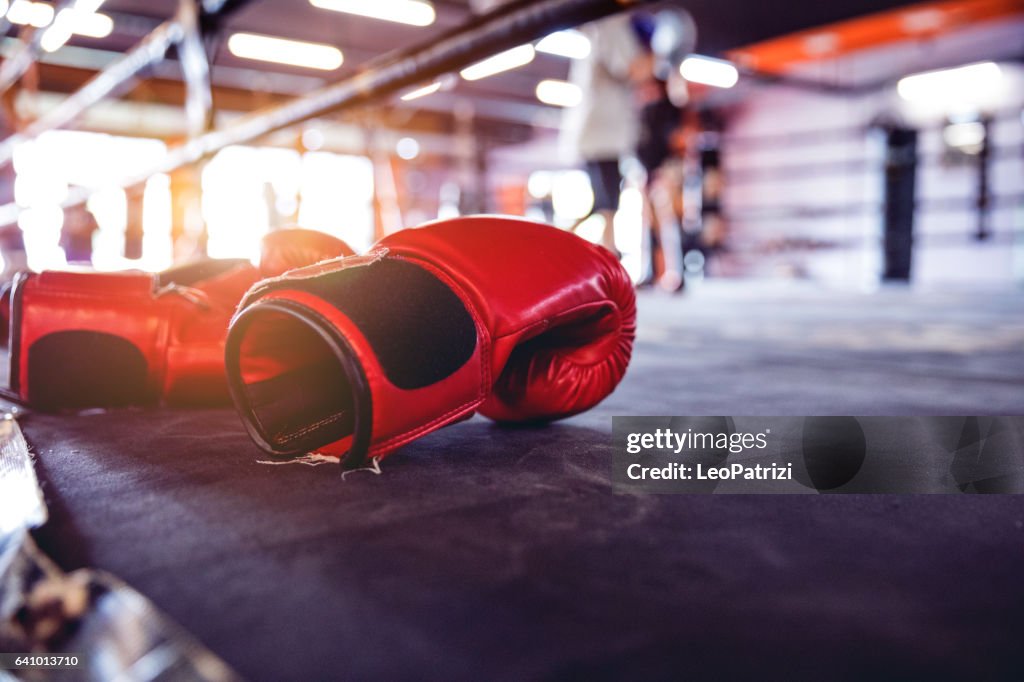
column 491, row 553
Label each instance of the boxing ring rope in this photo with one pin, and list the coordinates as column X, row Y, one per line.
column 152, row 49
column 183, row 31
column 506, row 27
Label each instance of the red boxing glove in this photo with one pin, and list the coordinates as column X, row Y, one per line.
column 363, row 355
column 89, row 339
column 284, row 250
column 5, row 312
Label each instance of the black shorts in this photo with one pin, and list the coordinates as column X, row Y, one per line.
column 658, row 121
column 606, row 182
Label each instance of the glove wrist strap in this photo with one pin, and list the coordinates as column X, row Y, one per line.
column 354, row 420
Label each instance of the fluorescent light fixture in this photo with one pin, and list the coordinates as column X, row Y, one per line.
column 708, row 71
column 569, row 44
column 503, row 61
column 559, row 93
column 282, row 51
column 28, row 13
column 55, row 36
column 421, row 92
column 87, row 6
column 963, row 83
column 407, row 148
column 412, row 12
column 313, row 139
column 74, row 21
column 89, row 24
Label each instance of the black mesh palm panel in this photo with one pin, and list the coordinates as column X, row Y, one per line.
column 295, row 378
column 107, row 371
column 307, row 387
column 419, row 329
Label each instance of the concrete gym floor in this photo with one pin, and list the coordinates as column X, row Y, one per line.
column 497, row 553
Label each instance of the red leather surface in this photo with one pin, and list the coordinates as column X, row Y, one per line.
column 195, row 353
column 126, row 284
column 120, row 304
column 555, row 318
column 533, row 281
column 284, row 250
column 5, row 313
column 399, row 415
column 180, row 332
column 195, row 346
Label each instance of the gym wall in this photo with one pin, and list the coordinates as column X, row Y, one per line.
column 805, row 171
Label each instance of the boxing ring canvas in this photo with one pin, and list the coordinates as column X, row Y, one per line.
column 489, row 552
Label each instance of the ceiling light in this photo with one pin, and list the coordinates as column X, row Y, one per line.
column 74, row 21
column 559, row 93
column 707, row 71
column 412, row 12
column 55, row 37
column 407, row 148
column 963, row 83
column 569, row 44
column 88, row 24
column 282, row 51
column 421, row 92
column 312, row 139
column 503, row 61
column 28, row 13
column 87, row 5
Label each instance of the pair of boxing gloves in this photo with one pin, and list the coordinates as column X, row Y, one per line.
column 340, row 354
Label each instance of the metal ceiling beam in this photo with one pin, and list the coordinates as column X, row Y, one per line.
column 222, row 7
column 195, row 69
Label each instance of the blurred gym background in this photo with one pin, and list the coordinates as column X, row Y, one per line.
column 830, row 222
column 844, row 143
